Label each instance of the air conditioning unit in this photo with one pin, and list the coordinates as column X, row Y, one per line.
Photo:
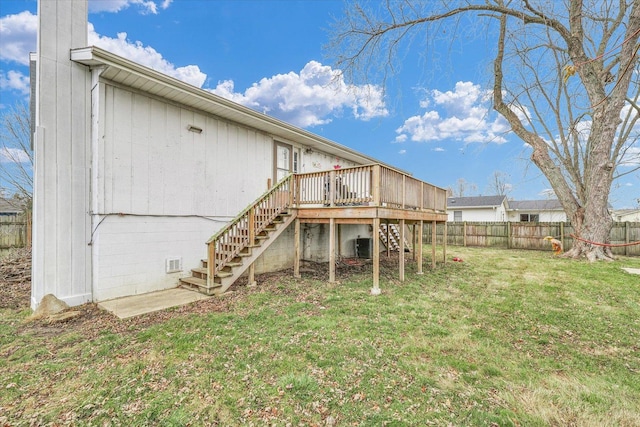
column 364, row 248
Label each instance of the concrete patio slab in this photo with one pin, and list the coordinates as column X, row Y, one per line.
column 632, row 270
column 147, row 303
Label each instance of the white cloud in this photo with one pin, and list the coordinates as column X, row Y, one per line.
column 18, row 37
column 308, row 98
column 439, row 149
column 400, row 139
column 402, row 152
column 14, row 80
column 146, row 55
column 13, row 155
column 146, row 6
column 461, row 114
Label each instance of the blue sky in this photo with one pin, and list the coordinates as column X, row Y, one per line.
column 434, row 122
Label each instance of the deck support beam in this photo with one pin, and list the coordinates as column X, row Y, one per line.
column 433, row 243
column 444, row 244
column 418, row 250
column 332, row 250
column 375, row 290
column 251, row 281
column 296, row 246
column 401, row 251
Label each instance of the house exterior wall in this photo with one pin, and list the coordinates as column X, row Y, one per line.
column 61, row 224
column 627, row 217
column 544, row 216
column 487, row 214
column 161, row 190
column 318, row 161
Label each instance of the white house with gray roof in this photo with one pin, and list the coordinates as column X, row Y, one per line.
column 500, row 209
column 536, row 211
column 477, row 208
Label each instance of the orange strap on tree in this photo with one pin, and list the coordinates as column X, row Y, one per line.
column 611, row 245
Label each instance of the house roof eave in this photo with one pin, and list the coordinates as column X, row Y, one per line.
column 129, row 73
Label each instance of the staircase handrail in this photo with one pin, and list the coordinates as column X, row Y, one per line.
column 224, row 245
column 246, row 210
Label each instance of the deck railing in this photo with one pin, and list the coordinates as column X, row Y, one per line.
column 241, row 232
column 371, row 185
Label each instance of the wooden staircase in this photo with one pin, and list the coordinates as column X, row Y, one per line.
column 393, row 242
column 233, row 249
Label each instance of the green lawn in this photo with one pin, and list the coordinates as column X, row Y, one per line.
column 504, row 338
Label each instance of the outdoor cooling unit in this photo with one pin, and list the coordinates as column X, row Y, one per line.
column 364, row 248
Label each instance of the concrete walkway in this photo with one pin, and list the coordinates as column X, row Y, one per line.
column 147, row 303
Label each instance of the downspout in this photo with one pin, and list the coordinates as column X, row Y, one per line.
column 96, row 110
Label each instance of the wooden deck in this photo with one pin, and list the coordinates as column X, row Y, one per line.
column 370, row 194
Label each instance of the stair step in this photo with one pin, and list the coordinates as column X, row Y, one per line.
column 223, row 274
column 234, row 264
column 199, row 285
column 200, row 273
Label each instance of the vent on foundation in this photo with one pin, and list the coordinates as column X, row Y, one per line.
column 173, row 265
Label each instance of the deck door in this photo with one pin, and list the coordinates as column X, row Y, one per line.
column 287, row 160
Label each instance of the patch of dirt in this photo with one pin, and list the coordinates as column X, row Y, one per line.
column 15, row 279
column 91, row 321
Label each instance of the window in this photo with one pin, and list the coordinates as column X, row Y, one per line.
column 296, row 160
column 457, row 216
column 529, row 218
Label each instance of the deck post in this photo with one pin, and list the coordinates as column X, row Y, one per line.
column 252, row 226
column 375, row 290
column 332, row 188
column 419, row 246
column 211, row 263
column 332, row 250
column 414, row 241
column 444, row 244
column 251, row 280
column 375, row 187
column 296, row 249
column 401, row 252
column 434, row 240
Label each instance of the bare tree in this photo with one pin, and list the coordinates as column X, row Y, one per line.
column 499, row 184
column 564, row 77
column 462, row 188
column 16, row 157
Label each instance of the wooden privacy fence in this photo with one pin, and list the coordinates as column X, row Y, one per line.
column 529, row 235
column 15, row 231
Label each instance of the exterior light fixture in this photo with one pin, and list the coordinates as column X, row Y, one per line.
column 192, row 128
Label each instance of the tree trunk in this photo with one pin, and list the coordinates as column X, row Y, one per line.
column 593, row 232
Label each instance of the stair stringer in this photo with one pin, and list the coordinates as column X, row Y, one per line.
column 256, row 251
column 394, row 237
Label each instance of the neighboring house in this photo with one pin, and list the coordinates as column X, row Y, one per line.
column 499, row 209
column 477, row 208
column 9, row 207
column 138, row 177
column 626, row 215
column 536, row 211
